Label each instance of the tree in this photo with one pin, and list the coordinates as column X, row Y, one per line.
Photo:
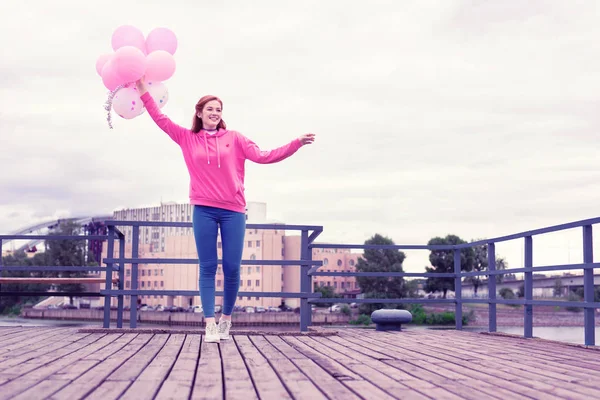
column 327, row 292
column 558, row 287
column 442, row 261
column 67, row 253
column 480, row 264
column 501, row 265
column 11, row 304
column 380, row 260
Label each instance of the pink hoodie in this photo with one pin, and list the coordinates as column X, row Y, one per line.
column 216, row 162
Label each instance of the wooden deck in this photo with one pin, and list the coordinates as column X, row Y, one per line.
column 69, row 363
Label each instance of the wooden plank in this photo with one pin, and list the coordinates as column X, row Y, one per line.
column 550, row 362
column 147, row 384
column 373, row 375
column 266, row 381
column 238, row 382
column 298, row 384
column 22, row 345
column 7, row 331
column 39, row 372
column 506, row 365
column 321, row 378
column 133, row 367
column 121, row 350
column 526, row 382
column 41, row 390
column 332, row 366
column 522, row 346
column 108, row 390
column 472, row 371
column 18, row 335
column 208, row 381
column 178, row 384
column 476, row 386
column 372, row 368
column 15, row 367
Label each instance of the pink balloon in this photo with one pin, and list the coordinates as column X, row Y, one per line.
column 130, row 63
column 161, row 39
column 110, row 77
column 127, row 103
column 127, row 35
column 160, row 66
column 101, row 61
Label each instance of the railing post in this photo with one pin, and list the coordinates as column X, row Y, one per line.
column 305, row 307
column 492, row 287
column 458, row 289
column 528, row 286
column 135, row 234
column 110, row 249
column 588, row 286
column 121, row 282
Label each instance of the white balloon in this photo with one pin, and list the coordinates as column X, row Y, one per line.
column 127, row 103
column 159, row 93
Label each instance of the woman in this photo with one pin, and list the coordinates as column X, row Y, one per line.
column 215, row 159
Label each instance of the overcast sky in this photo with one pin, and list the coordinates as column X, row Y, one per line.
column 478, row 118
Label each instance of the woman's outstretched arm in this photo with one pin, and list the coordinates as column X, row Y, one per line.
column 175, row 131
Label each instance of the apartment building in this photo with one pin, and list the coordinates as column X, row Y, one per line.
column 179, row 242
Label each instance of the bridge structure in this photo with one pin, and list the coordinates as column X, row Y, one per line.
column 41, row 229
column 542, row 286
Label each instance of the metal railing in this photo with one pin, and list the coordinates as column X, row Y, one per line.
column 309, row 234
column 310, row 268
column 588, row 267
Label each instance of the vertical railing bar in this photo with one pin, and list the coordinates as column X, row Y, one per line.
column 458, row 289
column 109, row 272
column 588, row 287
column 492, row 287
column 121, row 282
column 309, row 285
column 528, row 286
column 0, row 262
column 304, row 283
column 134, row 276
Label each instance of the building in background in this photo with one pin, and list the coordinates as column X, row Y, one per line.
column 179, row 242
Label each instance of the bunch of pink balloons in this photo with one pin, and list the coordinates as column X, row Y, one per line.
column 135, row 56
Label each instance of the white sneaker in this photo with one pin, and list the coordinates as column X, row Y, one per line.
column 211, row 333
column 224, row 326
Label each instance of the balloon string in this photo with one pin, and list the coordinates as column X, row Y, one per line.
column 108, row 104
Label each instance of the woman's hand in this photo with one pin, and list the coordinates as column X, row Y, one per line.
column 141, row 85
column 307, row 139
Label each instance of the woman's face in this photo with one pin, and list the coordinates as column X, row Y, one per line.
column 210, row 115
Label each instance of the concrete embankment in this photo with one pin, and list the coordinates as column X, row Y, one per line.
column 188, row 319
column 514, row 316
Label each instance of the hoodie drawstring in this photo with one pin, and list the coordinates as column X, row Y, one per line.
column 218, row 153
column 206, row 149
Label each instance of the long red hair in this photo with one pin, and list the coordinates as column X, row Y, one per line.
column 197, row 122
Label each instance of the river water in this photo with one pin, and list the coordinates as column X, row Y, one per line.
column 561, row 334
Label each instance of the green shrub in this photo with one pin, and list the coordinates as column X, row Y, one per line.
column 507, row 294
column 362, row 319
column 574, row 297
column 345, row 310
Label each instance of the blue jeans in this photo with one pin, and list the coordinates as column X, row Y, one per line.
column 206, row 220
